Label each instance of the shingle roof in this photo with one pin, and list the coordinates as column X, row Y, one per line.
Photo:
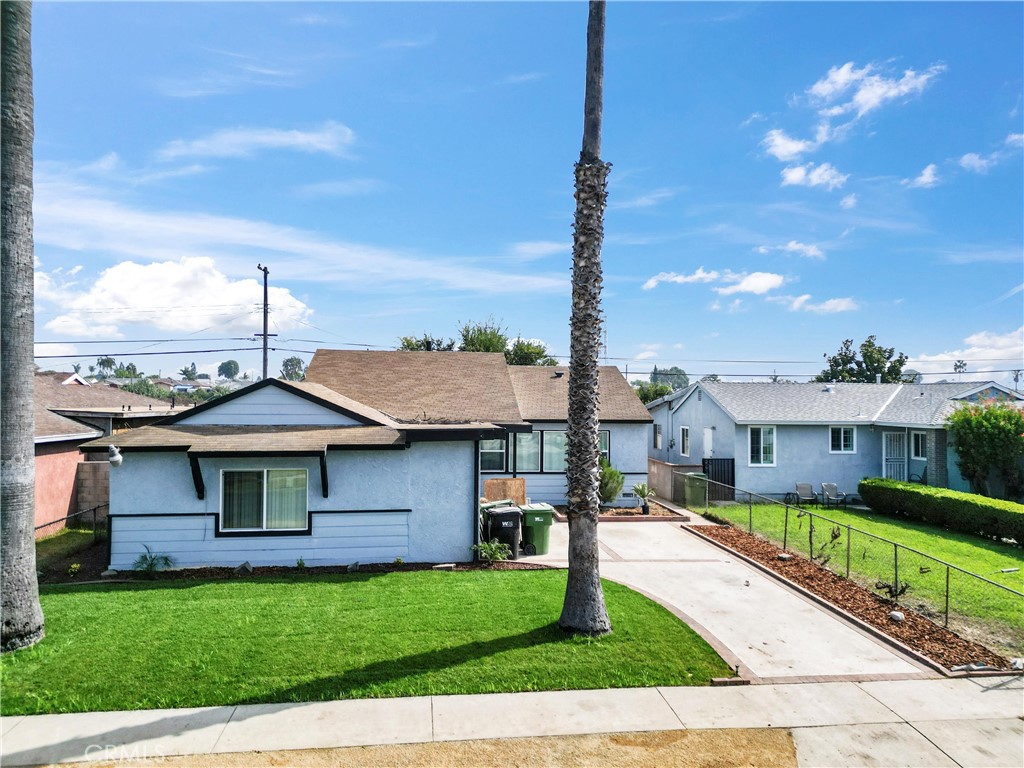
column 433, row 387
column 813, row 403
column 50, row 427
column 208, row 438
column 54, row 394
column 841, row 403
column 543, row 394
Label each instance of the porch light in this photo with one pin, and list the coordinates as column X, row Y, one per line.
column 114, row 456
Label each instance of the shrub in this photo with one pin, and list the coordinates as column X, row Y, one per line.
column 149, row 562
column 611, row 482
column 954, row 510
column 989, row 436
column 492, row 551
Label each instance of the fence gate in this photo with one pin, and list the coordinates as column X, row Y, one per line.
column 721, row 471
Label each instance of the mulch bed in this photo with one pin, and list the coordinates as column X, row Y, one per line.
column 657, row 510
column 917, row 632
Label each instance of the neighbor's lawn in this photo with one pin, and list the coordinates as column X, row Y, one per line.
column 60, row 545
column 872, row 561
column 187, row 644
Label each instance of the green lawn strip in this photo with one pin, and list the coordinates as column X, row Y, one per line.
column 310, row 638
column 872, row 560
column 60, row 545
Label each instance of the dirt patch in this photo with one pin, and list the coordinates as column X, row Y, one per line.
column 84, row 565
column 916, row 631
column 768, row 748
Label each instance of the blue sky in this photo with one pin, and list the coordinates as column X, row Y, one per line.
column 785, row 176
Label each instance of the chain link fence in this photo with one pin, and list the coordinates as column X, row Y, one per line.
column 85, row 519
column 974, row 606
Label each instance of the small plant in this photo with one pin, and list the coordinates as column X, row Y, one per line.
column 893, row 591
column 149, row 562
column 300, row 564
column 824, row 553
column 73, row 569
column 492, row 551
column 644, row 493
column 399, row 562
column 611, row 482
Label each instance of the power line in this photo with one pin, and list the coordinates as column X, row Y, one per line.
column 147, row 354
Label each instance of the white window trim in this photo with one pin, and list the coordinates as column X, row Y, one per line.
column 684, row 443
column 924, row 444
column 264, row 470
column 842, row 453
column 504, row 457
column 658, row 440
column 775, row 445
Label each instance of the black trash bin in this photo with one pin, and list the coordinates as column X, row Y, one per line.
column 506, row 525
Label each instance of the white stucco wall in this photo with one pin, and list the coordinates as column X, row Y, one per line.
column 433, row 479
column 628, row 453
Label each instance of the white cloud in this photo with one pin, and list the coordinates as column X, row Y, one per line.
column 928, row 177
column 757, row 283
column 1015, row 140
column 341, row 188
column 972, row 161
column 736, row 305
column 983, row 351
column 82, row 219
column 700, row 276
column 648, row 351
column 331, row 138
column 525, row 77
column 803, row 249
column 183, row 296
column 538, row 249
column 715, row 306
column 648, row 200
column 811, row 175
column 755, row 117
column 230, row 72
column 784, row 147
column 1012, row 292
column 849, row 202
column 804, row 304
column 977, row 254
column 864, row 90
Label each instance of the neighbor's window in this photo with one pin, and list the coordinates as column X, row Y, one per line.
column 657, row 437
column 918, row 445
column 528, row 452
column 264, row 499
column 604, row 439
column 842, row 440
column 762, row 446
column 492, row 455
column 684, row 441
column 555, row 446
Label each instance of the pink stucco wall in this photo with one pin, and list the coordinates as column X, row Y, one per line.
column 56, row 465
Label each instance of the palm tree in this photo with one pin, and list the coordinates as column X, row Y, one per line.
column 583, row 610
column 22, row 614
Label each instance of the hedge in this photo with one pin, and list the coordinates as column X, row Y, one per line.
column 953, row 510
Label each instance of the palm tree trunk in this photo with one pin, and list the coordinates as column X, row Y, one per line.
column 22, row 615
column 583, row 610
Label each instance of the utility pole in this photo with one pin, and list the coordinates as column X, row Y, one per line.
column 266, row 309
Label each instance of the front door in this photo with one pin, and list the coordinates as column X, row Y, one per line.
column 709, row 440
column 894, row 455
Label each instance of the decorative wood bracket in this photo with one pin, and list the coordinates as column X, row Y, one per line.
column 197, row 477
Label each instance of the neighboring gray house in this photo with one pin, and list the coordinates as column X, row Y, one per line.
column 374, row 457
column 780, row 434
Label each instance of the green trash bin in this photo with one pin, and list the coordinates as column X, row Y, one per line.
column 696, row 484
column 537, row 520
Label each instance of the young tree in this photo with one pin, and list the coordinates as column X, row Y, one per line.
column 675, row 377
column 228, row 369
column 528, row 352
column 106, row 366
column 649, row 391
column 989, row 436
column 293, row 369
column 487, row 336
column 189, row 372
column 583, row 610
column 21, row 612
column 845, row 365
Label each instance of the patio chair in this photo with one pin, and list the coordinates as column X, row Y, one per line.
column 832, row 496
column 805, row 494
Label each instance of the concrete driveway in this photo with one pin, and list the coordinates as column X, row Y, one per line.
column 772, row 632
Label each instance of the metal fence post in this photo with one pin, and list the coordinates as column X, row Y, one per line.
column 785, row 530
column 946, row 623
column 750, row 513
column 94, row 523
column 896, row 569
column 848, row 551
column 810, row 535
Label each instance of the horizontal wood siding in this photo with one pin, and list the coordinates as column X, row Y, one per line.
column 337, row 539
column 270, row 406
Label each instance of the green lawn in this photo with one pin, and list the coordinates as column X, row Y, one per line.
column 306, row 638
column 60, row 545
column 872, row 561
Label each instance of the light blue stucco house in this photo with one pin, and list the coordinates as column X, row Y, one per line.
column 778, row 434
column 375, row 456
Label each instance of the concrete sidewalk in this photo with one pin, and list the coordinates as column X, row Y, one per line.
column 936, row 722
